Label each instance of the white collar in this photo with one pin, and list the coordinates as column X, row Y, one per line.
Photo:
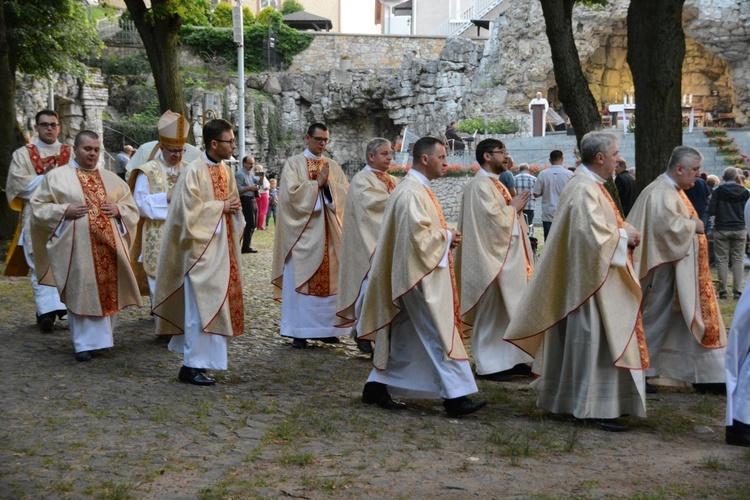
column 671, row 181
column 206, row 159
column 43, row 145
column 488, row 174
column 419, row 176
column 75, row 164
column 592, row 175
column 308, row 154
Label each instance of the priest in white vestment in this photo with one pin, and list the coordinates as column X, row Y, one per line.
column 365, row 205
column 737, row 367
column 307, row 243
column 84, row 219
column 579, row 315
column 493, row 265
column 411, row 307
column 152, row 184
column 198, row 276
column 684, row 330
column 28, row 166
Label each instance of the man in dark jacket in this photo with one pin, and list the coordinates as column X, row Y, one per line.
column 625, row 183
column 728, row 207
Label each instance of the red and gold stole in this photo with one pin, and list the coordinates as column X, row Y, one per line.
column 234, row 288
column 709, row 311
column 640, row 334
column 506, row 196
column 38, row 162
column 386, row 179
column 456, row 302
column 319, row 283
column 102, row 236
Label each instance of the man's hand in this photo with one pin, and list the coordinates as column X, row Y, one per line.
column 457, row 239
column 232, row 205
column 169, row 195
column 110, row 210
column 76, row 211
column 519, row 202
column 634, row 237
column 699, row 227
column 50, row 164
column 323, row 176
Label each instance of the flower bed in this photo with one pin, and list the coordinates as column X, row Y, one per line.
column 727, row 150
column 715, row 132
column 719, row 141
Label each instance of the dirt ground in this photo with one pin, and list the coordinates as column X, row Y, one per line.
column 283, row 422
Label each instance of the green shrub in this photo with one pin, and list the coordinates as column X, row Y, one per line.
column 126, row 66
column 210, row 42
column 502, row 126
column 222, row 16
column 269, row 15
column 291, row 6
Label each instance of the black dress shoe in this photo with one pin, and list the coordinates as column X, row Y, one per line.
column 364, row 346
column 194, row 376
column 738, row 434
column 46, row 321
column 650, row 389
column 722, row 295
column 376, row 393
column 61, row 313
column 83, row 356
column 736, row 295
column 299, row 343
column 330, row 340
column 462, row 406
column 503, row 376
column 249, row 250
column 610, row 425
column 718, row 388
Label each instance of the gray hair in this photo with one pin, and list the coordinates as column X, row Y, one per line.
column 523, row 167
column 374, row 145
column 682, row 153
column 595, row 142
column 730, row 174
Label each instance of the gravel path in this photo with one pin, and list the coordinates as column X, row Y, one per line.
column 287, row 422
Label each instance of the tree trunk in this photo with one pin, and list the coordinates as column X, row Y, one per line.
column 656, row 48
column 573, row 88
column 159, row 31
column 11, row 137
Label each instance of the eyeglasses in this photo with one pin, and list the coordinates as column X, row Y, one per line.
column 502, row 151
column 174, row 152
column 321, row 140
column 230, row 141
column 47, row 125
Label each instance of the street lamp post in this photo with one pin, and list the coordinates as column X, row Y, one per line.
column 239, row 39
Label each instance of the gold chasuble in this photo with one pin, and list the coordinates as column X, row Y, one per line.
column 365, row 205
column 411, row 245
column 193, row 249
column 26, row 165
column 88, row 253
column 662, row 214
column 486, row 222
column 312, row 237
column 576, row 266
column 161, row 178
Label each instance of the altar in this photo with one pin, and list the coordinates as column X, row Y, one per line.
column 623, row 113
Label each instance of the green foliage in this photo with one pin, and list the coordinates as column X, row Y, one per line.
column 192, row 12
column 290, row 7
column 502, row 126
column 49, row 36
column 212, row 42
column 248, row 18
column 269, row 15
column 222, row 16
column 125, row 66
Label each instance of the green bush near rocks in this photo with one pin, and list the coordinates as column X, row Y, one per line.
column 502, row 126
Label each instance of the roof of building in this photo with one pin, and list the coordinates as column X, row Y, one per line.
column 303, row 20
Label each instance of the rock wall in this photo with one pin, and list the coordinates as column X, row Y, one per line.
column 331, row 51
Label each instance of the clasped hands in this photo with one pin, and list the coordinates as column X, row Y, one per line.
column 232, row 205
column 78, row 210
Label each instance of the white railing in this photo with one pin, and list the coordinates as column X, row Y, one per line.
column 119, row 31
column 455, row 27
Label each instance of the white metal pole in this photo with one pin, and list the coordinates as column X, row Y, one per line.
column 240, row 41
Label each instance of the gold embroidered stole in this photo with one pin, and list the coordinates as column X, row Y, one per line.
column 456, row 303
column 506, row 196
column 319, row 283
column 234, row 288
column 639, row 332
column 386, row 179
column 38, row 162
column 711, row 335
column 102, row 236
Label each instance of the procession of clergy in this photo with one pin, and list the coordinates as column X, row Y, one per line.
column 610, row 303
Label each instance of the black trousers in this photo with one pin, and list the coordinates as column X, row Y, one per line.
column 250, row 211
